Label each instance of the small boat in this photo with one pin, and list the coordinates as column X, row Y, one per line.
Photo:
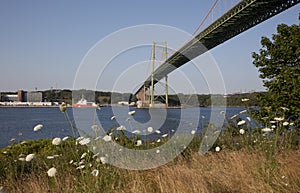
column 83, row 103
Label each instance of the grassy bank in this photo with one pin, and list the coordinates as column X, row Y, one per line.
column 244, row 169
column 242, row 159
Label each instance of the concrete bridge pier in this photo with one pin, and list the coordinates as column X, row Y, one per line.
column 143, row 97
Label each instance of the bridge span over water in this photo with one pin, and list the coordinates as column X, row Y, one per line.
column 243, row 16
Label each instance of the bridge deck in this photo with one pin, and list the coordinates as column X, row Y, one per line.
column 241, row 17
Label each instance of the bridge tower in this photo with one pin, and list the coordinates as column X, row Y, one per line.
column 146, row 96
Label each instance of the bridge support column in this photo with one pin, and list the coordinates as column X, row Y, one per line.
column 143, row 97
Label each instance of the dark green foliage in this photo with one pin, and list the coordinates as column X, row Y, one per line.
column 278, row 62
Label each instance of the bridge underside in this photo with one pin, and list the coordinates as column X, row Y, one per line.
column 241, row 17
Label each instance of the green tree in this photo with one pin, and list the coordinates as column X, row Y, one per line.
column 278, row 62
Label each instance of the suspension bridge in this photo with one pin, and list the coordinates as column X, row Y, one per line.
column 243, row 16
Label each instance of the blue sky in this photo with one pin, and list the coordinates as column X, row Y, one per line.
column 42, row 43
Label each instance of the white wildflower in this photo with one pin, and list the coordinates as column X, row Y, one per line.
column 284, row 108
column 37, row 127
column 217, row 149
column 21, row 159
column 84, row 141
column 158, row 151
column 83, row 155
column 131, row 113
column 193, row 132
column 242, row 122
column 245, row 100
column 50, row 157
column 273, row 126
column 104, row 160
column 107, row 138
column 266, row 129
column 56, row 141
column 164, row 135
column 80, row 167
column 136, row 132
column 52, row 172
column 285, row 123
column 65, row 138
column 291, row 124
column 70, row 162
column 95, row 172
column 158, row 140
column 150, row 129
column 243, row 112
column 139, row 142
column 121, row 128
column 29, row 157
column 95, row 127
column 279, row 118
column 242, row 131
column 234, row 116
column 79, row 138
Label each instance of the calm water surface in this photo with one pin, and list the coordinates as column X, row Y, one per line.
column 18, row 123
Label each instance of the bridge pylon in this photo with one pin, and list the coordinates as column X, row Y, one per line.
column 146, row 96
